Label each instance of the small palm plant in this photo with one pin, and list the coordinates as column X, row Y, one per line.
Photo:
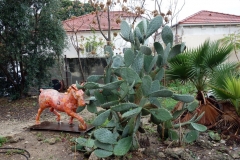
column 196, row 66
column 225, row 84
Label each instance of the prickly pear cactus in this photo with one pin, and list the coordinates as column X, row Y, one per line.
column 131, row 89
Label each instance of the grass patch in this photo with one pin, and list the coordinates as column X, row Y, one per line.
column 2, row 140
column 178, row 88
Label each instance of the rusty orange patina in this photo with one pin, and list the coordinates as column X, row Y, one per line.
column 64, row 102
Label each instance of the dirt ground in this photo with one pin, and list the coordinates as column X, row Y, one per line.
column 17, row 116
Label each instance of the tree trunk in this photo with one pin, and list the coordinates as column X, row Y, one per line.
column 80, row 67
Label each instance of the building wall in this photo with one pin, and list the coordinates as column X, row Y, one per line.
column 195, row 35
column 119, row 43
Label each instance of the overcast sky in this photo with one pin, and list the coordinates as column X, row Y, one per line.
column 194, row 6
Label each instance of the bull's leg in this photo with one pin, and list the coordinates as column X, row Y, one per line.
column 71, row 120
column 38, row 115
column 56, row 113
column 82, row 124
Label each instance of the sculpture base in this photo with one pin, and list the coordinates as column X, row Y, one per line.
column 61, row 127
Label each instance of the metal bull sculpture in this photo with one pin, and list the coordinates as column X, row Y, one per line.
column 64, row 102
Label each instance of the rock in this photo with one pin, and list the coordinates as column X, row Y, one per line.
column 204, row 144
column 235, row 155
column 174, row 152
column 93, row 157
column 145, row 120
column 51, row 141
column 186, row 156
column 13, row 140
column 161, row 155
column 222, row 141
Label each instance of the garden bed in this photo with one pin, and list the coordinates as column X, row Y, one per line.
column 17, row 116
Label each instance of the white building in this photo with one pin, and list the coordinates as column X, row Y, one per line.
column 88, row 37
column 195, row 29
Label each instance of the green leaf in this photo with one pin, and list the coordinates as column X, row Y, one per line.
column 109, row 104
column 77, row 147
column 123, row 146
column 94, row 78
column 79, row 86
column 155, row 86
column 154, row 25
column 128, row 129
column 138, row 34
column 161, row 93
column 175, row 51
column 166, row 53
column 146, row 84
column 173, row 135
column 99, row 96
column 151, row 64
column 137, row 123
column 118, row 61
column 158, row 47
column 85, row 142
column 176, row 114
column 183, row 98
column 147, row 60
column 192, row 106
column 161, row 114
column 105, row 136
column 214, row 136
column 183, row 47
column 199, row 127
column 109, row 54
column 159, row 76
column 113, row 85
column 124, row 90
column 108, row 75
column 137, row 64
column 91, row 85
column 80, row 109
column 104, row 146
column 128, row 57
column 143, row 26
column 132, row 112
column 130, row 75
column 101, row 118
column 191, row 136
column 155, row 101
column 167, row 35
column 124, row 107
column 102, row 153
column 145, row 50
column 126, row 31
column 91, row 107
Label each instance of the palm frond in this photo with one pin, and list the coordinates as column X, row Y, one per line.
column 232, row 85
column 216, row 54
column 178, row 68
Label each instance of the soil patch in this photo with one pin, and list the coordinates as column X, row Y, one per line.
column 17, row 116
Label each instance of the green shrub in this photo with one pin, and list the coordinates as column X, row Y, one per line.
column 132, row 88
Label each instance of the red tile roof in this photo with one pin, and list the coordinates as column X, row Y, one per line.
column 209, row 17
column 89, row 21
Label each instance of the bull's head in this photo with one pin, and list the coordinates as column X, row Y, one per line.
column 78, row 95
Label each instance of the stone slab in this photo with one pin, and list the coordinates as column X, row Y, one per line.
column 61, row 127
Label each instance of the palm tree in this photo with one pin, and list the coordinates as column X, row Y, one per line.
column 196, row 65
